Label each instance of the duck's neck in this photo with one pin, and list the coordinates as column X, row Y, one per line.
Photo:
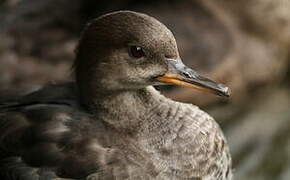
column 130, row 111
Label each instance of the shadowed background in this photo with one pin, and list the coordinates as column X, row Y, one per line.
column 244, row 44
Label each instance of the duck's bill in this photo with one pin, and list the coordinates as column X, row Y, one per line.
column 179, row 74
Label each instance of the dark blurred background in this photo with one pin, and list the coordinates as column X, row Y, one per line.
column 244, row 44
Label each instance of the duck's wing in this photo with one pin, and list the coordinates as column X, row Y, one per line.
column 31, row 128
column 13, row 168
column 22, row 114
column 50, row 129
column 53, row 94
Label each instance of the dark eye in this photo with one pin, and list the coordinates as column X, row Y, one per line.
column 136, row 51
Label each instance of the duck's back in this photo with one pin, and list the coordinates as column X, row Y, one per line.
column 48, row 128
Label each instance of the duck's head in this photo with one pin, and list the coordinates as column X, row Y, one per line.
column 125, row 50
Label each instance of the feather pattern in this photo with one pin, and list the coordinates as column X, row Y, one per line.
column 175, row 140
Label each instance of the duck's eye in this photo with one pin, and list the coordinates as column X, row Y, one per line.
column 136, row 51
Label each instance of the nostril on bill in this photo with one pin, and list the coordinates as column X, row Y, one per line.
column 186, row 74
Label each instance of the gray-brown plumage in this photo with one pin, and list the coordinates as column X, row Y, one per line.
column 111, row 123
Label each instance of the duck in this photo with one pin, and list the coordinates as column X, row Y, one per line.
column 111, row 123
